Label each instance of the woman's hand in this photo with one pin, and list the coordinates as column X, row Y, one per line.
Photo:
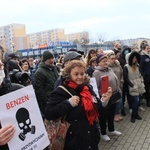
column 74, row 100
column 106, row 96
column 6, row 134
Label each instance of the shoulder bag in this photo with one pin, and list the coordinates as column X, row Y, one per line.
column 57, row 130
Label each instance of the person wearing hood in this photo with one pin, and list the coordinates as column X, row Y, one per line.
column 45, row 78
column 145, row 67
column 107, row 116
column 122, row 59
column 134, row 80
column 135, row 49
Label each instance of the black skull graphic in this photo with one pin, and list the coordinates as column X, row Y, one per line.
column 24, row 122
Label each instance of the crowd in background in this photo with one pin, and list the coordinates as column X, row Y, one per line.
column 128, row 69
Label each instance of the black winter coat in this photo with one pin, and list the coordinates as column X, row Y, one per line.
column 81, row 135
column 44, row 80
column 90, row 71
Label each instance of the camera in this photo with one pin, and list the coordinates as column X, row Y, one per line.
column 18, row 77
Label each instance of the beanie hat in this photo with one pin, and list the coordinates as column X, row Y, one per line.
column 47, row 55
column 71, row 55
column 100, row 57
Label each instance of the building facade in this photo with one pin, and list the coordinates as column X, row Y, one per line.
column 46, row 38
column 13, row 37
column 81, row 37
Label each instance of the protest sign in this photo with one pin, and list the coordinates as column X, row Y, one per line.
column 20, row 108
column 94, row 84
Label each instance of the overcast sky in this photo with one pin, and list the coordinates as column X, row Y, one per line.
column 114, row 19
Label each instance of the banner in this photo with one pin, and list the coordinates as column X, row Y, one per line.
column 20, row 108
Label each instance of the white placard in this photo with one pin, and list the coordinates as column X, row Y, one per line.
column 94, row 84
column 20, row 108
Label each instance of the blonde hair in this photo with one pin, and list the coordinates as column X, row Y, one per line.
column 110, row 54
column 117, row 44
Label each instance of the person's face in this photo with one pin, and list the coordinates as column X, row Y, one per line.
column 77, row 75
column 2, row 73
column 118, row 55
column 94, row 64
column 99, row 51
column 92, row 54
column 25, row 66
column 112, row 59
column 50, row 61
column 134, row 60
column 31, row 63
column 103, row 63
column 62, row 60
column 148, row 49
column 119, row 47
column 16, row 59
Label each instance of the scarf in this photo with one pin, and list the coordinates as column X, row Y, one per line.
column 87, row 101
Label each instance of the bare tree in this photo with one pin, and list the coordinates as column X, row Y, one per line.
column 102, row 37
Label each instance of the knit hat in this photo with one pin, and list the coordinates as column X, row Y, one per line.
column 71, row 55
column 47, row 55
column 100, row 57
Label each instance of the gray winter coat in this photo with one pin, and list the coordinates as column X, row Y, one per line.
column 113, row 80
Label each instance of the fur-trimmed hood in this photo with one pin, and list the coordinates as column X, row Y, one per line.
column 132, row 55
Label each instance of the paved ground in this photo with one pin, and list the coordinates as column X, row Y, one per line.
column 135, row 136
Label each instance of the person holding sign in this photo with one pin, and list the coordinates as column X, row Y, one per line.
column 6, row 132
column 81, row 110
column 105, row 76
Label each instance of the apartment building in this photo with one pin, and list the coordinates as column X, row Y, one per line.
column 81, row 37
column 13, row 37
column 39, row 39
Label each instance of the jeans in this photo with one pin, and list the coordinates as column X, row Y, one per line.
column 135, row 105
column 118, row 107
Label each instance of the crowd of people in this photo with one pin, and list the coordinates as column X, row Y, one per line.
column 128, row 70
